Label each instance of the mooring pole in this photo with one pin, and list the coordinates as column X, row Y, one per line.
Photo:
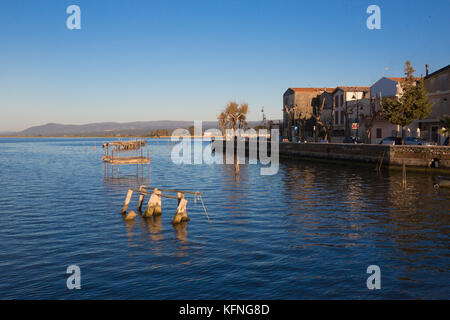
column 404, row 174
column 181, row 213
column 141, row 198
column 127, row 201
column 130, row 216
column 154, row 204
column 148, row 164
column 112, row 164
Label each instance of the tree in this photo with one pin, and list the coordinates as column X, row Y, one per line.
column 234, row 116
column 326, row 122
column 303, row 117
column 412, row 105
column 191, row 130
column 369, row 120
column 445, row 123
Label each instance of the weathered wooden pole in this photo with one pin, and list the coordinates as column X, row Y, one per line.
column 107, row 162
column 181, row 213
column 148, row 164
column 404, row 174
column 130, row 216
column 112, row 163
column 141, row 198
column 127, row 201
column 154, row 204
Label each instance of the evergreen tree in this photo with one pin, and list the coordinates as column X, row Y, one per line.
column 412, row 105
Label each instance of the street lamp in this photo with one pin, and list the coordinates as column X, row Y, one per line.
column 357, row 114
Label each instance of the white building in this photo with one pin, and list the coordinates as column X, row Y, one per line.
column 350, row 103
column 388, row 88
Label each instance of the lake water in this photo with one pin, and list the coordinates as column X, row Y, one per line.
column 310, row 231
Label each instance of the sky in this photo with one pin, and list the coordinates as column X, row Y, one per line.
column 148, row 60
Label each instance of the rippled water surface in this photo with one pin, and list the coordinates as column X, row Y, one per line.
column 310, row 231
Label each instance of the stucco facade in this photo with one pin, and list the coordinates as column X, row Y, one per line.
column 437, row 85
column 298, row 107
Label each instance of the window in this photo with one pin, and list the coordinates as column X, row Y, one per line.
column 336, row 117
column 379, row 133
column 342, row 100
column 342, row 117
column 443, row 82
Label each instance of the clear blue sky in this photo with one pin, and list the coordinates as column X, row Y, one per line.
column 183, row 60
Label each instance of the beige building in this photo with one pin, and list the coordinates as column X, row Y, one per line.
column 298, row 111
column 437, row 85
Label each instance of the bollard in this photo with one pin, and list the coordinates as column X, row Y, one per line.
column 141, row 198
column 154, row 204
column 181, row 213
column 130, row 216
column 127, row 201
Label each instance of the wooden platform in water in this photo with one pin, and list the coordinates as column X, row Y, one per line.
column 125, row 145
column 126, row 160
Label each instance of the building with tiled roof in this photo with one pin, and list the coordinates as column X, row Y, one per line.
column 298, row 110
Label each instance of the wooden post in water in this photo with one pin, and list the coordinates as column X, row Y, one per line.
column 107, row 162
column 154, row 204
column 181, row 213
column 112, row 164
column 130, row 216
column 148, row 164
column 127, row 201
column 404, row 174
column 141, row 198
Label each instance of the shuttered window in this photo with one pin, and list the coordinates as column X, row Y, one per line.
column 379, row 133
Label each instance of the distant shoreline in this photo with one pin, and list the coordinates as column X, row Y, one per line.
column 71, row 137
column 104, row 137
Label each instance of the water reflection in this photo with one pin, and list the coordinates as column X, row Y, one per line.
column 129, row 232
column 153, row 226
column 181, row 231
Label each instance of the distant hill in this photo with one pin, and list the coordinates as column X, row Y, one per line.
column 113, row 128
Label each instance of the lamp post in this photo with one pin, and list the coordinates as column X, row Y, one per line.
column 355, row 97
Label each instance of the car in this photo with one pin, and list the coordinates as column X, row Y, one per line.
column 417, row 141
column 352, row 139
column 391, row 141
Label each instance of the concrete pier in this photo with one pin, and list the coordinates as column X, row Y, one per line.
column 419, row 157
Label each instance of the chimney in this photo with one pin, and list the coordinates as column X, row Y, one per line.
column 426, row 68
